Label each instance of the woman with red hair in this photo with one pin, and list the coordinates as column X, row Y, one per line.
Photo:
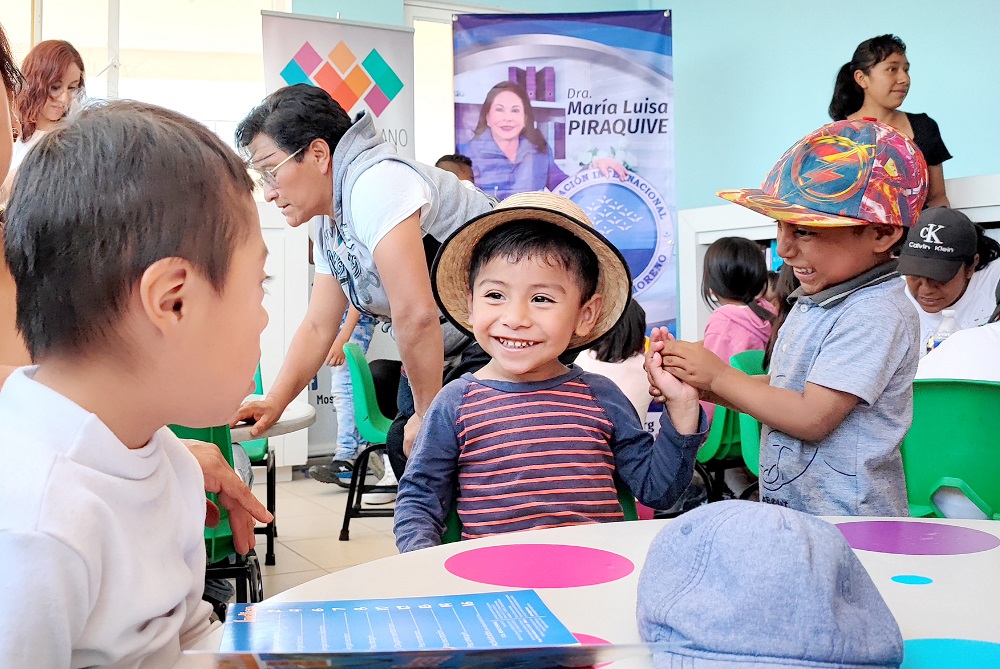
column 53, row 76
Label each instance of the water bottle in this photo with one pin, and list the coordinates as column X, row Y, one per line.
column 948, row 327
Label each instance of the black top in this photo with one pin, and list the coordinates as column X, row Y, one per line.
column 927, row 137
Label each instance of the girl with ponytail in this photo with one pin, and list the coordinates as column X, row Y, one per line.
column 873, row 85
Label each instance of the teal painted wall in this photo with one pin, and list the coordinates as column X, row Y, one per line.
column 752, row 76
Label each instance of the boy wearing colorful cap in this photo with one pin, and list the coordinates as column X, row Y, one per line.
column 949, row 264
column 839, row 398
column 529, row 442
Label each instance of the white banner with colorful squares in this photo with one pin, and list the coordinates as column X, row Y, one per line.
column 361, row 66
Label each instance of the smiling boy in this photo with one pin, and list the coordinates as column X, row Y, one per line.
column 529, row 442
column 839, row 398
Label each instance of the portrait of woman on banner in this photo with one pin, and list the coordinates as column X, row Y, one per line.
column 509, row 154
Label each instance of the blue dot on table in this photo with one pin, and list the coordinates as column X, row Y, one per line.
column 951, row 653
column 912, row 579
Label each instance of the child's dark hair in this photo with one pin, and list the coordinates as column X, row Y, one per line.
column 524, row 239
column 456, row 158
column 987, row 248
column 293, row 117
column 734, row 269
column 625, row 339
column 783, row 287
column 847, row 95
column 102, row 198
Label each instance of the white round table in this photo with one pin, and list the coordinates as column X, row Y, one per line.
column 963, row 602
column 298, row 415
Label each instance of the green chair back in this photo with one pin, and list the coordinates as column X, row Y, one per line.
column 218, row 539
column 256, row 449
column 372, row 425
column 723, row 440
column 751, row 363
column 453, row 525
column 954, row 441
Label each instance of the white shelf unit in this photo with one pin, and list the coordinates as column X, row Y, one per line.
column 978, row 197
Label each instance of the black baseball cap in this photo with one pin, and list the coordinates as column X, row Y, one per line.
column 942, row 241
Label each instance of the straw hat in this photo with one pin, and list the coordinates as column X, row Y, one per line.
column 450, row 273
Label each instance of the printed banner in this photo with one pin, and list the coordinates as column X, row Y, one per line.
column 582, row 105
column 362, row 67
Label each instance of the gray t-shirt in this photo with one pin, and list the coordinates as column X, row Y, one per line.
column 859, row 337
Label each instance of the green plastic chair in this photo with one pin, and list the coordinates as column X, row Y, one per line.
column 752, row 363
column 261, row 455
column 373, row 427
column 954, row 441
column 219, row 547
column 453, row 525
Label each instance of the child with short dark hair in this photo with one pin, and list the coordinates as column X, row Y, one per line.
column 530, row 442
column 137, row 253
column 839, row 399
column 620, row 356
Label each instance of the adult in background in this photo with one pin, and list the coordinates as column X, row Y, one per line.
column 386, row 216
column 949, row 263
column 873, row 85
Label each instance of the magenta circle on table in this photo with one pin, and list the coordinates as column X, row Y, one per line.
column 915, row 538
column 539, row 566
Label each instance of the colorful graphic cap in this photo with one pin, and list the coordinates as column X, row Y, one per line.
column 846, row 173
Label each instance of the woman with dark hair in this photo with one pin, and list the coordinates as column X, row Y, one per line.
column 12, row 79
column 949, row 263
column 53, row 77
column 509, row 154
column 873, row 85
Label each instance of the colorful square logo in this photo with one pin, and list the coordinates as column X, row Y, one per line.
column 344, row 78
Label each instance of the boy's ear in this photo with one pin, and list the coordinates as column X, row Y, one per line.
column 589, row 313
column 886, row 237
column 164, row 288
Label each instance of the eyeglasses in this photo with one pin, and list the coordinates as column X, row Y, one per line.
column 269, row 177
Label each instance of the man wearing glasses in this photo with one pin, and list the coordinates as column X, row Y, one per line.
column 385, row 218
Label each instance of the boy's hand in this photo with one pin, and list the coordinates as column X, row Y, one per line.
column 264, row 413
column 691, row 363
column 664, row 386
column 244, row 509
column 335, row 358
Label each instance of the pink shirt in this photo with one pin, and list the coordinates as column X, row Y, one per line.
column 732, row 329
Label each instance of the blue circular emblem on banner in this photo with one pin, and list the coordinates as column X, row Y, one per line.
column 632, row 215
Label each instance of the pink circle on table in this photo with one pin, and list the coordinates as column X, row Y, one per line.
column 539, row 566
column 588, row 640
column 911, row 538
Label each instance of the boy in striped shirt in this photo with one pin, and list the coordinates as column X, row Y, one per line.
column 528, row 442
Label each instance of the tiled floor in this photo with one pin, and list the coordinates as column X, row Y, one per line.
column 310, row 515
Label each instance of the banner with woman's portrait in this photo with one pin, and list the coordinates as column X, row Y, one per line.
column 582, row 105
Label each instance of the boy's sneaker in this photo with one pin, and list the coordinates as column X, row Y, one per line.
column 337, row 471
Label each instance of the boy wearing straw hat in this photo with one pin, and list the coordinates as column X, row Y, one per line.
column 529, row 442
column 839, row 398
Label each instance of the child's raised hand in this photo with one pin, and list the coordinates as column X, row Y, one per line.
column 691, row 363
column 664, row 386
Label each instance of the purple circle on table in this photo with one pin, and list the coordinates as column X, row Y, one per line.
column 539, row 566
column 914, row 538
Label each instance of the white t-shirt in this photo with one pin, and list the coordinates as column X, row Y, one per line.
column 972, row 309
column 21, row 149
column 628, row 375
column 102, row 548
column 383, row 196
column 972, row 354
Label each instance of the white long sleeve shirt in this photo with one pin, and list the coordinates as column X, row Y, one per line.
column 102, row 553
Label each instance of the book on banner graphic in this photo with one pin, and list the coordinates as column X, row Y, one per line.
column 531, row 82
column 515, row 619
column 517, row 75
column 546, row 87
